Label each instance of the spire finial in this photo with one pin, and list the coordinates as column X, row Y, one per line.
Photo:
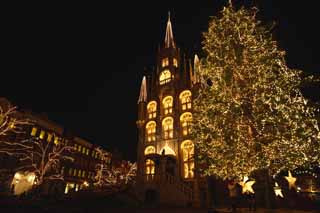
column 143, row 91
column 169, row 42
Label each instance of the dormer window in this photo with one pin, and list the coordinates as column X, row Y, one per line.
column 165, row 62
column 165, row 77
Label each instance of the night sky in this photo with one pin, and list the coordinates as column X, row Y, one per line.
column 82, row 64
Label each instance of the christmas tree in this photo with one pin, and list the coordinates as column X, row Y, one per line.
column 249, row 113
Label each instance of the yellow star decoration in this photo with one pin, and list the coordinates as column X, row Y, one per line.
column 291, row 180
column 247, row 185
column 277, row 190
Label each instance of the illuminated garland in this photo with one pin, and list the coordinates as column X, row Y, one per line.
column 249, row 112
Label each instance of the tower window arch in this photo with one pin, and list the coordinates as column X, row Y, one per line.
column 185, row 99
column 167, row 103
column 149, row 150
column 185, row 121
column 152, row 109
column 165, row 77
column 165, row 62
column 150, row 168
column 175, row 62
column 167, row 128
column 151, row 131
column 187, row 148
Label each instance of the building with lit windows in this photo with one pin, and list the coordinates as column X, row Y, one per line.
column 78, row 174
column 166, row 166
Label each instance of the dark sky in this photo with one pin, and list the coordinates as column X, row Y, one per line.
column 82, row 64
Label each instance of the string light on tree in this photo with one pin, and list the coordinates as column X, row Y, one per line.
column 249, row 112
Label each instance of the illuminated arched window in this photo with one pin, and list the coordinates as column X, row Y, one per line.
column 149, row 150
column 151, row 131
column 175, row 62
column 152, row 109
column 165, row 62
column 185, row 99
column 167, row 127
column 185, row 120
column 167, row 104
column 187, row 149
column 150, row 167
column 165, row 77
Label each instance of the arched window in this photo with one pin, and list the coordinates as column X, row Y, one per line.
column 167, row 104
column 167, row 127
column 152, row 109
column 187, row 149
column 151, row 131
column 165, row 77
column 185, row 99
column 165, row 62
column 149, row 150
column 185, row 121
column 150, row 167
column 175, row 62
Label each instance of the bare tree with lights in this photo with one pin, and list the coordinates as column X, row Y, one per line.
column 40, row 157
column 113, row 178
column 249, row 113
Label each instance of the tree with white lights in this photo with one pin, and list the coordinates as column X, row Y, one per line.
column 111, row 177
column 249, row 113
column 40, row 157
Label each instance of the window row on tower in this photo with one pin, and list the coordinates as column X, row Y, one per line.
column 167, row 104
column 167, row 127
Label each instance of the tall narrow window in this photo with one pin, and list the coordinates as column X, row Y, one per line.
column 57, row 141
column 42, row 133
column 185, row 99
column 165, row 77
column 165, row 62
column 167, row 128
column 152, row 109
column 49, row 138
column 175, row 62
column 149, row 150
column 33, row 131
column 150, row 167
column 151, row 131
column 187, row 149
column 185, row 120
column 167, row 104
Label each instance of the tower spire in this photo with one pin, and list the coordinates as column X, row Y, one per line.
column 169, row 42
column 143, row 91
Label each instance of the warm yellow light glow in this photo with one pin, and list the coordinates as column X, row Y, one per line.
column 33, row 131
column 167, row 127
column 85, row 183
column 165, row 77
column 291, row 180
column 277, row 190
column 185, row 99
column 42, row 133
column 167, row 150
column 187, row 148
column 175, row 62
column 165, row 62
column 56, row 140
column 149, row 150
column 150, row 167
column 49, row 137
column 185, row 120
column 167, row 103
column 152, row 109
column 151, row 131
column 247, row 185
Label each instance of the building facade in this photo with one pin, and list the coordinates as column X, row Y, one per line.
column 166, row 165
column 78, row 173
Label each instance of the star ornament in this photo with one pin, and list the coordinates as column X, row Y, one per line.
column 291, row 180
column 277, row 190
column 247, row 185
